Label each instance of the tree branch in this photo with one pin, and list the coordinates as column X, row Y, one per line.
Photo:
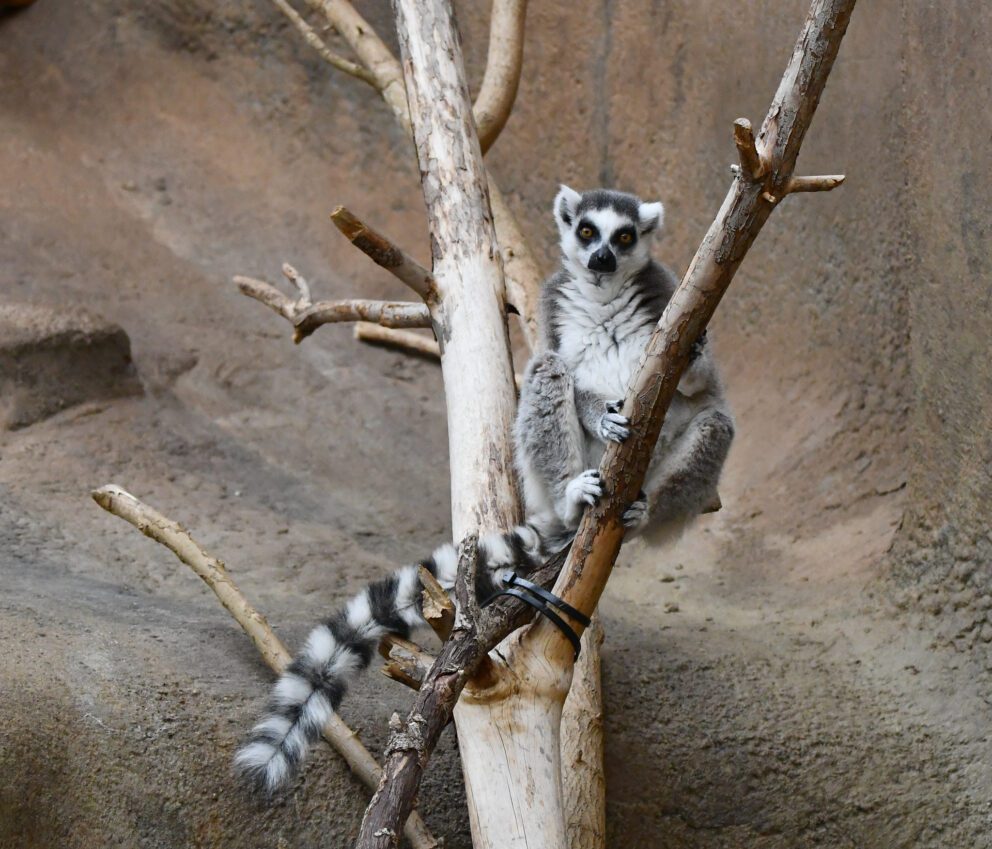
column 395, row 314
column 307, row 317
column 403, row 339
column 385, row 254
column 504, row 61
column 523, row 276
column 214, row 574
column 738, row 223
column 318, row 44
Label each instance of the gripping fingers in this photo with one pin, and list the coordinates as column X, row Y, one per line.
column 586, row 488
column 614, row 427
column 637, row 513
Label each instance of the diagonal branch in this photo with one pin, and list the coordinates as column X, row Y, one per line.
column 385, row 254
column 744, row 212
column 214, row 574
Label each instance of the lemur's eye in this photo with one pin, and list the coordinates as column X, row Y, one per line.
column 585, row 232
column 626, row 238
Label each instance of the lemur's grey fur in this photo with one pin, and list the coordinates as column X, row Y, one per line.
column 597, row 313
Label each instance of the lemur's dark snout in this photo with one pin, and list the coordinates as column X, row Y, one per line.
column 603, row 261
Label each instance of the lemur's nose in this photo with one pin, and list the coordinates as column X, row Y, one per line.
column 603, row 260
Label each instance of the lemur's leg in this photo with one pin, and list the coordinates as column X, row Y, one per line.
column 686, row 478
column 550, row 442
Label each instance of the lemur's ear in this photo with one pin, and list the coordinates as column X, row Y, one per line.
column 651, row 217
column 566, row 202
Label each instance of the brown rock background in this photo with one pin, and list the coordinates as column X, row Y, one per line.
column 824, row 681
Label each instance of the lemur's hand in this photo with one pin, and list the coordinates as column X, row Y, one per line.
column 637, row 514
column 585, row 488
column 614, row 427
column 697, row 347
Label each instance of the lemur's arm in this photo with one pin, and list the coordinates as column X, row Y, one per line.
column 549, row 443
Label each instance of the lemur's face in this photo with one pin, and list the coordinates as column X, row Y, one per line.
column 605, row 234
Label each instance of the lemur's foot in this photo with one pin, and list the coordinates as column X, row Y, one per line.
column 585, row 488
column 635, row 515
column 614, row 427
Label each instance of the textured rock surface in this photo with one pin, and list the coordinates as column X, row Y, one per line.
column 150, row 153
column 52, row 359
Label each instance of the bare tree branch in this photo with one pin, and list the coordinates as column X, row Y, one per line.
column 318, row 44
column 386, row 313
column 307, row 317
column 504, row 61
column 523, row 276
column 214, row 574
column 813, row 184
column 385, row 254
column 403, row 339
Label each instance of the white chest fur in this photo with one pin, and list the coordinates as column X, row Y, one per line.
column 602, row 342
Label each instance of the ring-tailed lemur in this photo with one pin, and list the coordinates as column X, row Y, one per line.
column 598, row 312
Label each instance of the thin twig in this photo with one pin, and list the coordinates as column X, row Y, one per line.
column 214, row 574
column 318, row 44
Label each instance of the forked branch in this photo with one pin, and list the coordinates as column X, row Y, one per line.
column 306, row 317
column 506, row 51
column 214, row 574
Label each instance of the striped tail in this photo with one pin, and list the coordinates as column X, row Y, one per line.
column 337, row 650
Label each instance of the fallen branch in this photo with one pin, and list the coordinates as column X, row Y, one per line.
column 214, row 574
column 600, row 534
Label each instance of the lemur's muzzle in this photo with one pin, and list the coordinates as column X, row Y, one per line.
column 603, row 261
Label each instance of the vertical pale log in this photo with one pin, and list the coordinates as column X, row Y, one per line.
column 471, row 328
column 582, row 748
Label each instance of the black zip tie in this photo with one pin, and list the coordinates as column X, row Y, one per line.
column 539, row 598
